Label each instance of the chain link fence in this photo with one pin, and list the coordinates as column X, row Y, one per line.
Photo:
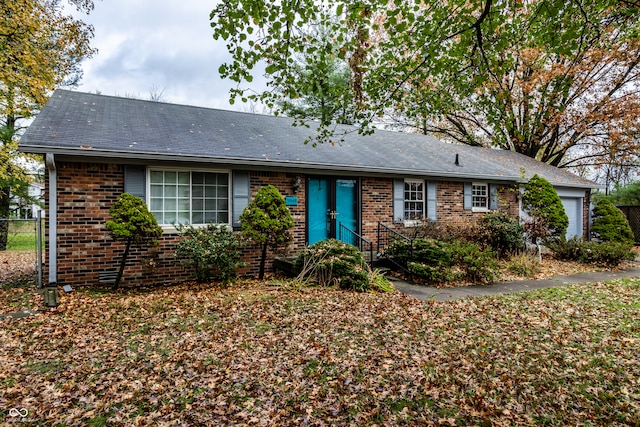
column 21, row 249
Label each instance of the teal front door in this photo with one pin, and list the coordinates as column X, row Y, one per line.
column 332, row 204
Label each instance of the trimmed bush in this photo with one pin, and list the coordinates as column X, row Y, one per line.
column 548, row 220
column 212, row 251
column 132, row 223
column 610, row 224
column 503, row 233
column 267, row 221
column 332, row 262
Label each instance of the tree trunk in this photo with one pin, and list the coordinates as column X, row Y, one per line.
column 5, row 201
column 123, row 261
column 263, row 261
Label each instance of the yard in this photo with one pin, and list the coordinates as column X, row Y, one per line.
column 260, row 354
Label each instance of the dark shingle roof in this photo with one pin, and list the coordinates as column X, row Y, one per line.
column 75, row 123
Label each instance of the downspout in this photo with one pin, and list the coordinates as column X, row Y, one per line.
column 53, row 217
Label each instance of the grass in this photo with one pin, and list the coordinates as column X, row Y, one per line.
column 22, row 236
column 256, row 354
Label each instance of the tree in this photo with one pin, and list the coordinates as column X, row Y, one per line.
column 324, row 83
column 132, row 223
column 266, row 221
column 540, row 77
column 40, row 49
column 627, row 195
column 610, row 224
column 548, row 221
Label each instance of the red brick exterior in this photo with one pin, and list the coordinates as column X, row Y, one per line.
column 86, row 191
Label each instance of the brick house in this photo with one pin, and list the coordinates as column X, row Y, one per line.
column 203, row 165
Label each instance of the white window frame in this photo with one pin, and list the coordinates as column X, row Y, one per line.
column 476, row 206
column 169, row 226
column 414, row 221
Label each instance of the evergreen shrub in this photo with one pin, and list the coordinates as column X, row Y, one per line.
column 213, row 252
column 610, row 224
column 548, row 220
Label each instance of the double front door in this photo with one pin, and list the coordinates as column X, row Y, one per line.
column 332, row 204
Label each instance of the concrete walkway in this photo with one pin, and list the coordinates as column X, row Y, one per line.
column 426, row 293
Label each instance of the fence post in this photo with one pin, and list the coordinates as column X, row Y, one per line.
column 39, row 249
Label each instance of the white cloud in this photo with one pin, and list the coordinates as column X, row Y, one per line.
column 163, row 44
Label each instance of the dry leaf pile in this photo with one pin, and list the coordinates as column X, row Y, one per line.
column 254, row 355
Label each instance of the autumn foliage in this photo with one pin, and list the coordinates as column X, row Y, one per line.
column 258, row 355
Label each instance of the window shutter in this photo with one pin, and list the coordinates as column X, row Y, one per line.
column 398, row 199
column 468, row 200
column 135, row 181
column 493, row 197
column 241, row 194
column 432, row 201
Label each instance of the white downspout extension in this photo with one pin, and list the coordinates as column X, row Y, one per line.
column 53, row 217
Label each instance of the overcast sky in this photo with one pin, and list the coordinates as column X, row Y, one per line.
column 162, row 44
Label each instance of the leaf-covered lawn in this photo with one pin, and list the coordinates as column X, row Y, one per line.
column 255, row 355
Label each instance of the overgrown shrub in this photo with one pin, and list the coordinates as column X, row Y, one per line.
column 503, row 233
column 439, row 262
column 332, row 262
column 608, row 254
column 610, row 224
column 212, row 251
column 474, row 263
column 548, row 221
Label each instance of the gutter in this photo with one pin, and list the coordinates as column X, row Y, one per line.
column 248, row 163
column 53, row 217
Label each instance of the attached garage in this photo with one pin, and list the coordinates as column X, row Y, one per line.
column 573, row 201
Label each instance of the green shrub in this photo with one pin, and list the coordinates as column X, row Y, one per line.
column 438, row 262
column 212, row 251
column 132, row 223
column 610, row 224
column 548, row 220
column 503, row 233
column 474, row 264
column 332, row 262
column 267, row 221
column 608, row 254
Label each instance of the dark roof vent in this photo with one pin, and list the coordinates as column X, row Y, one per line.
column 457, row 162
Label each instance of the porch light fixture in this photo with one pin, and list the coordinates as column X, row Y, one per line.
column 297, row 183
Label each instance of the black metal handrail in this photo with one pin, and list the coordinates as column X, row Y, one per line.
column 386, row 236
column 345, row 234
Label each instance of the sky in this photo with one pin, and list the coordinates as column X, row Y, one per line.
column 158, row 45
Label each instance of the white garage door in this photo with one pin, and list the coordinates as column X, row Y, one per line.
column 573, row 209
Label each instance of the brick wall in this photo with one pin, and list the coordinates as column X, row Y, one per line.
column 85, row 250
column 87, row 191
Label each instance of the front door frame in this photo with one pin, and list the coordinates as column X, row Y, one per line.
column 332, row 179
